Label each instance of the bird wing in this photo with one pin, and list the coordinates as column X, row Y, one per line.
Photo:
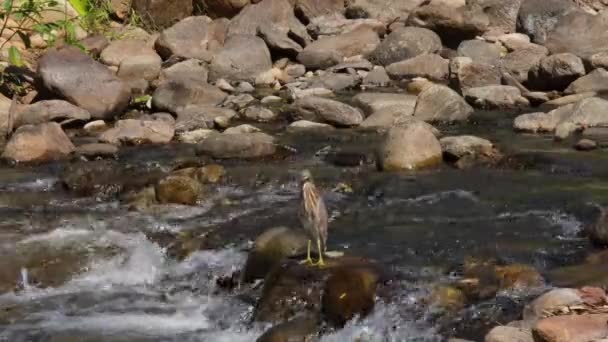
column 315, row 210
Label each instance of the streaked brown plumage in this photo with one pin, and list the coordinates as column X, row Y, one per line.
column 313, row 213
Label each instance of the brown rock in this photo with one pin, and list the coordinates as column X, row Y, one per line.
column 162, row 13
column 38, row 143
column 572, row 328
column 408, row 147
column 135, row 132
column 178, row 190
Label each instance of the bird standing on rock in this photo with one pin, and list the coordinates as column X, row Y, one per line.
column 313, row 216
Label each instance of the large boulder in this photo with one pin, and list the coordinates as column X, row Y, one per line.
column 42, row 142
column 375, row 102
column 49, row 110
column 310, row 9
column 314, row 108
column 135, row 132
column 551, row 301
column 408, row 147
column 440, row 103
column 480, row 51
column 220, row 8
column 190, row 69
column 431, row 66
column 245, row 145
column 502, row 14
column 452, row 24
column 405, row 43
column 161, row 13
column 518, row 63
column 386, row 11
column 468, row 75
column 556, row 72
column 595, row 81
column 172, row 96
column 194, row 37
column 537, row 18
column 79, row 79
column 495, row 96
column 329, row 51
column 243, row 58
column 582, row 34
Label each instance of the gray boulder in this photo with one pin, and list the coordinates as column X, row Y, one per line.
column 440, row 103
column 495, row 96
column 518, row 63
column 431, row 66
column 374, row 102
column 49, row 110
column 161, row 13
column 313, row 108
column 480, row 51
column 556, row 72
column 405, row 43
column 456, row 147
column 195, row 117
column 409, row 147
column 194, row 37
column 136, row 132
column 243, row 58
column 581, row 34
column 192, row 69
column 172, row 96
column 246, row 145
column 38, row 143
column 595, row 81
column 76, row 77
column 538, row 17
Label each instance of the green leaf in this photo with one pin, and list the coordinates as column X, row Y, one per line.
column 14, row 57
column 8, row 5
column 81, row 6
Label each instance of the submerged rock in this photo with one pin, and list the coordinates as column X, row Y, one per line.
column 178, row 190
column 41, row 142
column 456, row 147
column 296, row 330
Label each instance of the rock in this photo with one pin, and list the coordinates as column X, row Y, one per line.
column 94, row 44
column 190, row 69
column 135, row 132
column 388, row 117
column 278, row 40
column 556, row 72
column 495, row 96
column 572, row 328
column 160, row 13
column 551, row 300
column 258, row 113
column 298, row 329
column 595, row 81
column 585, row 145
column 378, row 77
column 271, row 248
column 509, row 334
column 431, row 66
column 6, row 120
column 383, row 10
column 337, row 24
column 240, row 129
column 538, row 17
column 480, row 51
column 315, row 108
column 440, row 103
column 142, row 66
column 334, row 82
column 95, row 150
column 519, row 62
column 502, row 14
column 247, row 145
column 195, row 117
column 456, row 147
column 302, row 125
column 118, row 50
column 194, row 136
column 178, row 190
column 79, row 79
column 581, row 34
column 95, row 127
column 49, row 110
column 310, row 9
column 452, row 24
column 405, row 43
column 194, row 37
column 220, row 8
column 599, row 60
column 518, row 276
column 374, row 102
column 473, row 75
column 598, row 231
column 589, row 112
column 329, row 51
column 271, row 99
column 172, row 96
column 408, row 147
column 38, row 143
column 542, row 122
column 243, row 58
column 448, row 298
column 348, row 293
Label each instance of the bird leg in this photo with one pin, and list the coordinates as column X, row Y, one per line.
column 308, row 258
column 320, row 263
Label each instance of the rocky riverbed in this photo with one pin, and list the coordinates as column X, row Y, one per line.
column 149, row 178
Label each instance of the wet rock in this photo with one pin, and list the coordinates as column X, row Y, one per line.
column 136, row 132
column 161, row 13
column 315, row 108
column 329, row 51
column 388, row 117
column 440, row 103
column 495, row 96
column 302, row 125
column 518, row 276
column 194, row 37
column 519, row 62
column 50, row 110
column 585, row 145
column 247, row 145
column 509, row 334
column 571, row 328
column 549, row 301
column 480, row 51
column 195, row 117
column 595, row 81
column 452, row 24
column 297, row 330
column 173, row 96
column 242, row 58
column 271, row 248
column 348, row 293
column 579, row 33
column 448, row 298
column 405, row 43
column 431, row 66
column 257, row 113
column 178, row 190
column 94, row 150
column 79, row 79
column 538, row 17
column 238, row 102
column 556, row 72
column 43, row 142
column 220, row 8
column 598, row 231
column 6, row 121
column 240, row 129
column 409, row 146
column 589, row 112
column 456, row 147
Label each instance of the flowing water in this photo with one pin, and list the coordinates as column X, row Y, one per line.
column 86, row 268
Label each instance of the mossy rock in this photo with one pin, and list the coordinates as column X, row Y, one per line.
column 178, row 190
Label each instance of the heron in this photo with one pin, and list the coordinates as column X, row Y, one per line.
column 313, row 216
